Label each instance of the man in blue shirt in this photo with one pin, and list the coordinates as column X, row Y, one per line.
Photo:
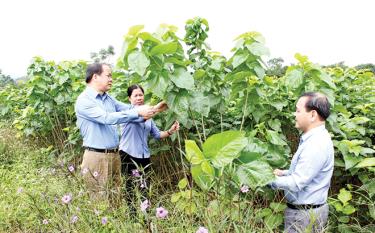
column 97, row 115
column 307, row 181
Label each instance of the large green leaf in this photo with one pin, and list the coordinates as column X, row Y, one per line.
column 258, row 49
column 273, row 221
column 183, row 79
column 255, row 173
column 134, row 30
column 275, row 156
column 239, row 59
column 275, row 138
column 201, row 178
column 164, row 48
column 253, row 150
column 351, row 161
column 327, row 79
column 158, row 84
column 222, row 148
column 367, row 162
column 201, row 103
column 138, row 62
column 147, row 36
column 193, row 153
column 344, row 196
column 348, row 209
column 294, row 79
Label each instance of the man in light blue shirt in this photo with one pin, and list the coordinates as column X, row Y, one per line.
column 307, row 181
column 97, row 115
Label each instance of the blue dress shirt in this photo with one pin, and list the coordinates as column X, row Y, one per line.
column 308, row 179
column 134, row 138
column 97, row 116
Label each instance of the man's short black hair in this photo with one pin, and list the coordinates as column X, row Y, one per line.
column 95, row 68
column 318, row 102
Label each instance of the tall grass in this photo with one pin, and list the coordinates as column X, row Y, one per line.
column 34, row 181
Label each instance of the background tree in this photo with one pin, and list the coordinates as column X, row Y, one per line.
column 276, row 67
column 104, row 55
column 369, row 66
column 5, row 80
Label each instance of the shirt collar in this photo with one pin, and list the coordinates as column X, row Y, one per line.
column 94, row 94
column 305, row 136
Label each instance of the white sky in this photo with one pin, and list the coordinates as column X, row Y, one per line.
column 327, row 31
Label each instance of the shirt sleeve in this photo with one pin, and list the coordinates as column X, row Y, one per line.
column 120, row 106
column 308, row 165
column 155, row 132
column 89, row 110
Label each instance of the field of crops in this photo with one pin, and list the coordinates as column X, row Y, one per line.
column 237, row 125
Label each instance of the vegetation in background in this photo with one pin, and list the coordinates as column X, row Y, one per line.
column 238, row 124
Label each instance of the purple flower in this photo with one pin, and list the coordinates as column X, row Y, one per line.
column 143, row 184
column 85, row 170
column 66, row 198
column 161, row 212
column 104, row 220
column 71, row 168
column 74, row 219
column 202, row 230
column 45, row 221
column 144, row 205
column 95, row 174
column 19, row 190
column 135, row 173
column 244, row 189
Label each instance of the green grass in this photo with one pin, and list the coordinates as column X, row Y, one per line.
column 33, row 181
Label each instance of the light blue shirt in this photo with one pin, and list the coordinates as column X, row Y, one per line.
column 134, row 138
column 97, row 116
column 308, row 179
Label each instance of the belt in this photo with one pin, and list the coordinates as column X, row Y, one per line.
column 303, row 207
column 115, row 150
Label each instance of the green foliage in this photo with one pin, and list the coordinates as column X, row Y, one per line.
column 236, row 116
column 44, row 105
column 5, row 80
column 216, row 161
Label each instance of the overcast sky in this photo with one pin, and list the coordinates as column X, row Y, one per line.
column 327, row 31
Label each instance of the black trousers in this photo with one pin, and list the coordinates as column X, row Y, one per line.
column 129, row 164
column 136, row 172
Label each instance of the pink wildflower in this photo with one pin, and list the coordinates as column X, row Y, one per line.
column 161, row 212
column 71, row 168
column 66, row 198
column 244, row 189
column 202, row 230
column 104, row 220
column 95, row 174
column 74, row 219
column 19, row 190
column 85, row 170
column 143, row 184
column 144, row 205
column 45, row 221
column 135, row 173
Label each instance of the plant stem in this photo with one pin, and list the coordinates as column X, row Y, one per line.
column 244, row 110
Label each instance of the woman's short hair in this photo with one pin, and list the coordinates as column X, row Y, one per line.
column 133, row 87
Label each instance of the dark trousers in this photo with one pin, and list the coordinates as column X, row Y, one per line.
column 135, row 171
